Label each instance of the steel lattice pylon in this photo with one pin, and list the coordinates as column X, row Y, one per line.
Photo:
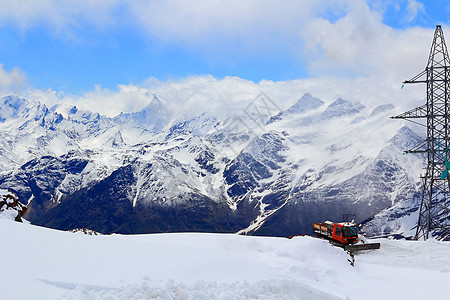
column 434, row 216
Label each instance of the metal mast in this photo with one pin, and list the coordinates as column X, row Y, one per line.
column 434, row 216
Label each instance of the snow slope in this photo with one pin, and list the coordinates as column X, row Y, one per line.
column 41, row 263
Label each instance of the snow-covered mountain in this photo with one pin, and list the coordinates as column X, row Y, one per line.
column 151, row 172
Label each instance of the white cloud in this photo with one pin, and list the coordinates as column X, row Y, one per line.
column 356, row 44
column 414, row 8
column 126, row 98
column 194, row 21
column 168, row 20
column 359, row 44
column 11, row 82
column 224, row 97
column 60, row 16
column 188, row 97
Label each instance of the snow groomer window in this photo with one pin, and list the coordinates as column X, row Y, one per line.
column 338, row 231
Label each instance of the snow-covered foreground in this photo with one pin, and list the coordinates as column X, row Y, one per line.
column 40, row 263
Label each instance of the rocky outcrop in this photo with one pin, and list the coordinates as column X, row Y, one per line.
column 85, row 231
column 10, row 206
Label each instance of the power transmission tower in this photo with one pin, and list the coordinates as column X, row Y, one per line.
column 434, row 216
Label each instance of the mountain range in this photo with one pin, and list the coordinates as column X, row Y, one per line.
column 261, row 171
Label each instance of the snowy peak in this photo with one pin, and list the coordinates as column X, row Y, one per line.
column 405, row 139
column 11, row 107
column 116, row 141
column 304, row 104
column 341, row 107
column 382, row 109
column 15, row 107
column 84, row 116
column 73, row 110
column 200, row 125
column 156, row 105
column 22, row 114
column 154, row 117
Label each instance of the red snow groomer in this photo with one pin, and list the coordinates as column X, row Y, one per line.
column 345, row 232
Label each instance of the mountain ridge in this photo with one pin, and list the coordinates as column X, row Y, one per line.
column 269, row 178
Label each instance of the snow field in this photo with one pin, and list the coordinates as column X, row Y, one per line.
column 41, row 263
column 202, row 290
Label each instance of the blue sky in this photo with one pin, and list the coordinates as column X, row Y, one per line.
column 73, row 53
column 77, row 47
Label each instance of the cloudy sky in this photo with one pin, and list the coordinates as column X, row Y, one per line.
column 97, row 51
